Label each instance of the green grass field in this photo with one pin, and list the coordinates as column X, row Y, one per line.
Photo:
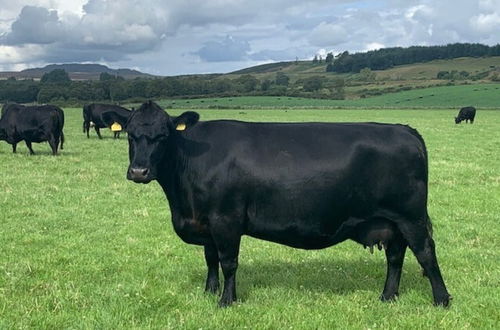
column 446, row 97
column 82, row 248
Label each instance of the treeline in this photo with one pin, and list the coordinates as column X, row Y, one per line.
column 56, row 86
column 389, row 57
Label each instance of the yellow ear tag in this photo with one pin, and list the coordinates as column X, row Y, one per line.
column 116, row 127
column 181, row 127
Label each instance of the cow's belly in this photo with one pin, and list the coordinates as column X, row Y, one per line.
column 297, row 237
column 35, row 136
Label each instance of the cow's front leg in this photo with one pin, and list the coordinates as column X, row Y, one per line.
column 227, row 237
column 212, row 260
column 14, row 146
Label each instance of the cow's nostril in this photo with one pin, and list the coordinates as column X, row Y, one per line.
column 144, row 171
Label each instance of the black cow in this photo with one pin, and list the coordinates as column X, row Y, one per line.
column 93, row 113
column 32, row 124
column 305, row 185
column 466, row 113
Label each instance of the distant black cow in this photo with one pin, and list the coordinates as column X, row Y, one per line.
column 93, row 113
column 305, row 185
column 32, row 124
column 466, row 113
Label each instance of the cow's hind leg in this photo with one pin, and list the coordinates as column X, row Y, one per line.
column 28, row 144
column 98, row 132
column 422, row 245
column 14, row 147
column 381, row 232
column 227, row 237
column 395, row 254
column 86, row 129
column 54, row 143
column 212, row 260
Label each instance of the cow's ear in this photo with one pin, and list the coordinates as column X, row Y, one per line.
column 186, row 120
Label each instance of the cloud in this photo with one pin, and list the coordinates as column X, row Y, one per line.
column 486, row 23
column 327, row 34
column 179, row 36
column 226, row 50
column 35, row 25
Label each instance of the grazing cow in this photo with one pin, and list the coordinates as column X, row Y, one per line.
column 305, row 185
column 93, row 113
column 32, row 124
column 466, row 113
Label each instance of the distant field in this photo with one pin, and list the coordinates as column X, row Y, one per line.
column 429, row 70
column 82, row 247
column 478, row 95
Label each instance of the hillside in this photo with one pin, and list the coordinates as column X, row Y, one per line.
column 76, row 71
column 415, row 71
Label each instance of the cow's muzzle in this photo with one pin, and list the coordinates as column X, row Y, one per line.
column 139, row 175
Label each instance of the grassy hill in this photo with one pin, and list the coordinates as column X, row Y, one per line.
column 396, row 79
column 415, row 71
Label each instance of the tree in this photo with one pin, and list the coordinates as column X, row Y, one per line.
column 315, row 59
column 366, row 74
column 57, row 76
column 248, row 82
column 313, row 84
column 104, row 76
column 265, row 85
column 339, row 89
column 329, row 58
column 282, row 79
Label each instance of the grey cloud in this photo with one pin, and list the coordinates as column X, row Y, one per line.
column 34, row 25
column 226, row 50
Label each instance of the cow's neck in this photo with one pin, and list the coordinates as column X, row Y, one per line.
column 172, row 177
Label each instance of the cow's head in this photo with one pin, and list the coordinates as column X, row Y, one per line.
column 457, row 120
column 149, row 130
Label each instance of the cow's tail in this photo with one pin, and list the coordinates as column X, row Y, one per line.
column 61, row 126
column 62, row 140
column 423, row 150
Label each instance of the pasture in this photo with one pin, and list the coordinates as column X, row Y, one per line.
column 82, row 247
column 479, row 95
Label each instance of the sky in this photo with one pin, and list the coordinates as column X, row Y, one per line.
column 174, row 37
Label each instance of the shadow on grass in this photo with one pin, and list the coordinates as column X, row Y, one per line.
column 338, row 277
column 45, row 153
column 123, row 137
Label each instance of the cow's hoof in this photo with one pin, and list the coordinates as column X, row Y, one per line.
column 389, row 297
column 443, row 300
column 226, row 302
column 212, row 287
